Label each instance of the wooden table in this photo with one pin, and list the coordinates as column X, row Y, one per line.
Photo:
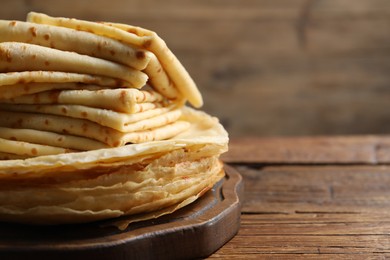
column 317, row 197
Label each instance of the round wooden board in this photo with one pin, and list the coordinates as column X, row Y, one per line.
column 194, row 231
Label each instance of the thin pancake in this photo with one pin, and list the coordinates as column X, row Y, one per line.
column 159, row 79
column 16, row 56
column 204, row 131
column 112, row 195
column 138, row 37
column 121, row 100
column 29, row 149
column 84, row 128
column 23, row 77
column 50, row 139
column 66, row 39
column 20, row 89
column 104, row 117
column 10, row 156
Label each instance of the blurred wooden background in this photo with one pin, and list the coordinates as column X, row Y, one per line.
column 266, row 67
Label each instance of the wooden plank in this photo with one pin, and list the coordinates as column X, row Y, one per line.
column 315, row 230
column 291, row 98
column 307, row 235
column 249, row 245
column 318, row 218
column 313, row 211
column 157, row 10
column 311, row 244
column 302, row 100
column 320, row 189
column 310, row 150
column 358, row 256
column 343, row 9
column 256, row 207
column 346, row 36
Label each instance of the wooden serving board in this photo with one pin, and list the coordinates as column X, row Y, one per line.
column 194, row 231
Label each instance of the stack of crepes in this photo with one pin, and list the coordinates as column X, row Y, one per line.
column 94, row 124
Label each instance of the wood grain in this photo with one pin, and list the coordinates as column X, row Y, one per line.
column 266, row 67
column 318, row 212
column 317, row 198
column 310, row 150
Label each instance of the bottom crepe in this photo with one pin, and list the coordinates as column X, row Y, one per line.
column 147, row 180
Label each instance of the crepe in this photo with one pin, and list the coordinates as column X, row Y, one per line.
column 15, row 56
column 203, row 130
column 24, row 77
column 138, row 37
column 93, row 45
column 159, row 79
column 75, row 41
column 94, row 124
column 106, row 183
column 122, row 122
column 49, row 140
column 28, row 149
column 10, row 156
column 9, row 92
column 163, row 127
column 121, row 100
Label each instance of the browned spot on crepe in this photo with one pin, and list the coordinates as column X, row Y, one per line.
column 34, row 151
column 33, row 31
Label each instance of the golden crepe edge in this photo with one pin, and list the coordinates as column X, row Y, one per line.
column 148, row 179
column 144, row 180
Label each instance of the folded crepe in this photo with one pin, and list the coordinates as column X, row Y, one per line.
column 94, row 124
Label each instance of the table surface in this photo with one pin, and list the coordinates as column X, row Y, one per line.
column 318, row 197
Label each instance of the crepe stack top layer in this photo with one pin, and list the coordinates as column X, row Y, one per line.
column 94, row 124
